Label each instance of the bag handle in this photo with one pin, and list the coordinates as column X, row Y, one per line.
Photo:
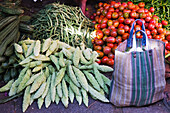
column 134, row 47
column 129, row 40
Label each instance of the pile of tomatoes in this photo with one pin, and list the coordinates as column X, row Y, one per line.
column 112, row 22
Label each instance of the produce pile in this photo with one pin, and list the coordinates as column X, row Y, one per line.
column 65, row 23
column 112, row 22
column 11, row 23
column 53, row 70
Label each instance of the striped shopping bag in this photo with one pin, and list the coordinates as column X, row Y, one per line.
column 139, row 75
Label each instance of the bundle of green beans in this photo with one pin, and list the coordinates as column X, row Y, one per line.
column 53, row 71
column 65, row 23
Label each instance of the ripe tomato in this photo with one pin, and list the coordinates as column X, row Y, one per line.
column 129, row 2
column 115, row 24
column 103, row 25
column 120, row 14
column 104, row 59
column 101, row 54
column 125, row 36
column 142, row 15
column 152, row 21
column 160, row 30
column 99, row 61
column 121, row 19
column 115, row 15
column 104, row 38
column 111, row 27
column 126, row 11
column 104, row 20
column 127, row 21
column 165, row 41
column 141, row 10
column 151, row 26
column 121, row 7
column 113, row 33
column 106, row 31
column 146, row 10
column 118, row 39
column 141, row 5
column 162, row 36
column 148, row 18
column 126, row 28
column 131, row 6
column 96, row 48
column 100, row 20
column 116, row 5
column 94, row 22
column 167, row 46
column 126, row 15
column 100, row 4
column 137, row 27
column 168, row 37
column 121, row 31
column 159, row 25
column 164, row 22
column 147, row 31
column 99, row 34
column 110, row 40
column 140, row 23
column 121, row 26
column 124, row 4
column 151, row 9
column 157, row 37
column 154, row 32
column 97, row 26
column 99, row 42
column 109, row 15
column 111, row 45
column 110, row 62
column 133, row 14
column 92, row 17
column 106, row 50
column 107, row 7
column 150, row 36
column 111, row 9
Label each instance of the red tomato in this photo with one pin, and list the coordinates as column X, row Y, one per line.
column 106, row 31
column 109, row 15
column 107, row 7
column 111, row 45
column 97, row 26
column 157, row 37
column 99, row 42
column 154, row 32
column 150, row 36
column 168, row 37
column 104, row 59
column 96, row 48
column 92, row 17
column 94, row 22
column 104, row 20
column 100, row 4
column 162, row 36
column 115, row 15
column 124, row 4
column 125, row 36
column 151, row 9
column 160, row 30
column 152, row 21
column 126, row 11
column 100, row 20
column 133, row 14
column 121, row 26
column 142, row 15
column 101, row 54
column 111, row 9
column 147, row 31
column 120, row 14
column 121, row 7
column 121, row 19
column 109, row 22
column 118, row 39
column 159, row 25
column 106, row 50
column 141, row 4
column 127, row 21
column 99, row 61
column 126, row 28
column 121, row 31
column 165, row 41
column 104, row 12
column 115, row 24
column 99, row 34
column 104, row 38
column 167, row 46
column 110, row 62
column 129, row 2
column 116, row 5
column 140, row 23
column 103, row 25
column 110, row 40
column 111, row 27
column 113, row 33
column 164, row 22
column 148, row 18
column 141, row 10
column 151, row 26
column 137, row 27
column 146, row 10
column 131, row 6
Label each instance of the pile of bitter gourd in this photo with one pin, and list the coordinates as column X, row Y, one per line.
column 54, row 71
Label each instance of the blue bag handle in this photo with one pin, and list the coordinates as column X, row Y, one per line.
column 129, row 40
column 134, row 46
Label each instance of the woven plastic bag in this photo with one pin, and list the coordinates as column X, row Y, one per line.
column 139, row 74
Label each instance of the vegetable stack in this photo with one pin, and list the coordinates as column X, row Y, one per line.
column 10, row 28
column 65, row 23
column 54, row 71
